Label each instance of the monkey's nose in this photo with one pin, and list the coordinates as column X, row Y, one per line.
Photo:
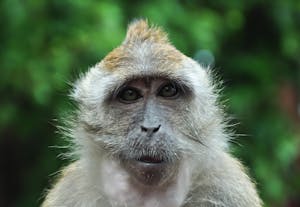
column 150, row 130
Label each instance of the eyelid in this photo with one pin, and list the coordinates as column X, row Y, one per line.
column 118, row 90
column 126, row 87
column 165, row 84
column 173, row 83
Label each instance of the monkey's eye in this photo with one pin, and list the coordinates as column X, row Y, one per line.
column 170, row 90
column 129, row 95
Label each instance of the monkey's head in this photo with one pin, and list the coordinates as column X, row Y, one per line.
column 148, row 106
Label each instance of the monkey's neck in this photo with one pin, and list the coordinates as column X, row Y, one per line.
column 121, row 191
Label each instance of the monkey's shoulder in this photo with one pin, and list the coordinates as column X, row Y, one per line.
column 70, row 189
column 225, row 182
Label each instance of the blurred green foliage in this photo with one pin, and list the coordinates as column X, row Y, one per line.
column 254, row 46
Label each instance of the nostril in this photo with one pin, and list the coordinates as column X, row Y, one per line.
column 144, row 129
column 150, row 130
column 156, row 129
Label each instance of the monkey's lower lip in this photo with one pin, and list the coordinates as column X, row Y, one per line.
column 150, row 171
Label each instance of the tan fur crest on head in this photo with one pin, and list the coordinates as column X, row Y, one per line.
column 139, row 30
column 143, row 42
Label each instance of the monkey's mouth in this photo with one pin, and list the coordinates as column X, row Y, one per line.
column 150, row 170
column 151, row 159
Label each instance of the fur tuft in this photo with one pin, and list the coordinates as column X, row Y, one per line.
column 139, row 30
column 143, row 42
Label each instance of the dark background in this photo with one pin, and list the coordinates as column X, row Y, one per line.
column 253, row 45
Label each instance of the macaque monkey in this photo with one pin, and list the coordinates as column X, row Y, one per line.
column 149, row 133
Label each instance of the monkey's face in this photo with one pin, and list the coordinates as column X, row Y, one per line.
column 150, row 121
column 146, row 112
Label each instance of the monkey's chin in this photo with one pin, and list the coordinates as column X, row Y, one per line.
column 151, row 173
